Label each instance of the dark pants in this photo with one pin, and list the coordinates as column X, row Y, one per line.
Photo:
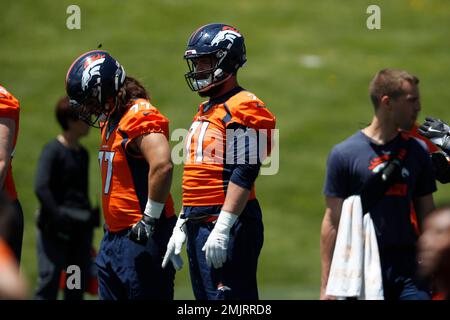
column 399, row 268
column 55, row 255
column 15, row 236
column 130, row 271
column 236, row 280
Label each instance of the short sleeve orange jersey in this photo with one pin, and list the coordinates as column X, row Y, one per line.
column 124, row 175
column 206, row 173
column 9, row 108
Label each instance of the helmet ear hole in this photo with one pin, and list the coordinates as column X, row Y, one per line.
column 220, row 54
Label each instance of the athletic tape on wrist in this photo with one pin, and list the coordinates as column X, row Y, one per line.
column 153, row 209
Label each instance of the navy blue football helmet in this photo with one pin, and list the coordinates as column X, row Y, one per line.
column 92, row 84
column 223, row 48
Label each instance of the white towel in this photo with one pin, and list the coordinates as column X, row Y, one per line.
column 355, row 269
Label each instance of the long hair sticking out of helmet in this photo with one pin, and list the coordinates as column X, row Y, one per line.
column 131, row 89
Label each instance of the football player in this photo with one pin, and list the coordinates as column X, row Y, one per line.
column 9, row 130
column 12, row 283
column 221, row 216
column 136, row 171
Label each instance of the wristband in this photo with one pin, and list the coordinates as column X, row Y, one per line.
column 225, row 221
column 153, row 209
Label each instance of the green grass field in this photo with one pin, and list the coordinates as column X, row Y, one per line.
column 316, row 107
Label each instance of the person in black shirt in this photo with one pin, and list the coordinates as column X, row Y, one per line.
column 65, row 219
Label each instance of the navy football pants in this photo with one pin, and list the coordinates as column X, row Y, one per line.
column 15, row 230
column 130, row 271
column 236, row 280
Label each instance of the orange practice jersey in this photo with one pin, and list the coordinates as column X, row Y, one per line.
column 205, row 179
column 125, row 176
column 9, row 108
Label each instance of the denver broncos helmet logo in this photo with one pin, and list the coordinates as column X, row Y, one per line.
column 93, row 69
column 225, row 35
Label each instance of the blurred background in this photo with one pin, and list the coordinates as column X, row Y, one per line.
column 310, row 61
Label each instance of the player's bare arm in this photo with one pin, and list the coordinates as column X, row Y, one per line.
column 156, row 150
column 236, row 198
column 328, row 236
column 7, row 130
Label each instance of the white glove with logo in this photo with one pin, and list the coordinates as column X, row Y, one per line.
column 175, row 244
column 217, row 244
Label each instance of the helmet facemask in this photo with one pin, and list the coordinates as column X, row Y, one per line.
column 205, row 70
column 92, row 112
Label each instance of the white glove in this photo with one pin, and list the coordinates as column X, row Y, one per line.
column 175, row 244
column 217, row 243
